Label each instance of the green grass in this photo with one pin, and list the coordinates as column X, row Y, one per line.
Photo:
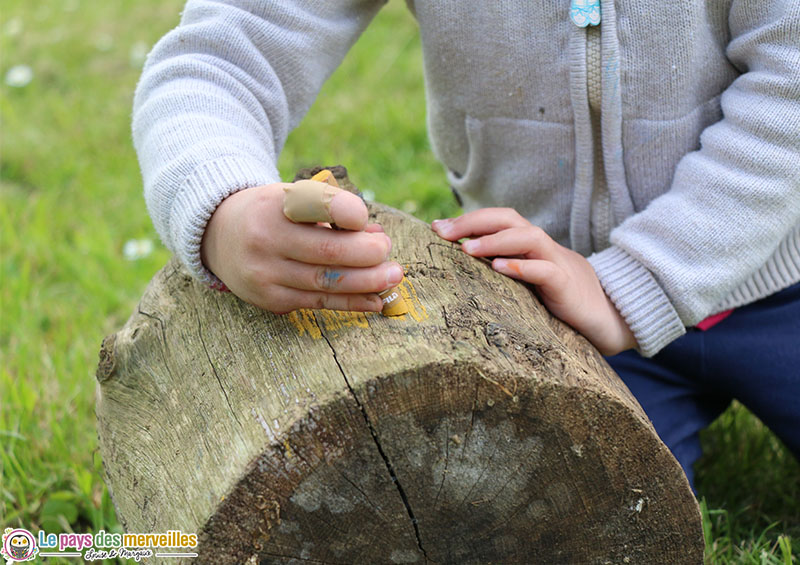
column 71, row 198
column 750, row 489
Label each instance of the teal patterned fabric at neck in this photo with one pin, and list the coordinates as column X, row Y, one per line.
column 585, row 12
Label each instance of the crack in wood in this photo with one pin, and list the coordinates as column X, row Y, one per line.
column 508, row 480
column 157, row 319
column 356, row 487
column 224, row 334
column 162, row 327
column 214, row 370
column 508, row 518
column 383, row 455
column 497, row 494
column 351, row 482
column 471, row 423
column 446, row 463
column 450, row 247
column 480, row 477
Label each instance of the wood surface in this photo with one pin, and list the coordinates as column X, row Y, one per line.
column 475, row 429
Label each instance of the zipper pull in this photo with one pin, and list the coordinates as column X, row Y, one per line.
column 585, row 12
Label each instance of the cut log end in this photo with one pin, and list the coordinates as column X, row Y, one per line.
column 457, row 470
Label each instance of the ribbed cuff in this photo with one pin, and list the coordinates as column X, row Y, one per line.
column 202, row 191
column 639, row 299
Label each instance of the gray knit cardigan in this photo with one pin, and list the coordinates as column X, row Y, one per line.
column 699, row 144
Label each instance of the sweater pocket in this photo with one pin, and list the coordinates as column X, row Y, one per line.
column 653, row 148
column 527, row 165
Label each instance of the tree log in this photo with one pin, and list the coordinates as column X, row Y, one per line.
column 476, row 428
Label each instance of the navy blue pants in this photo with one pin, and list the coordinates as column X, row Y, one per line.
column 753, row 355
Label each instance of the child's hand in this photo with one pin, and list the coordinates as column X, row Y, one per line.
column 280, row 266
column 565, row 280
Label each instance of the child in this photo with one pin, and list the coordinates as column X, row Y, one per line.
column 663, row 144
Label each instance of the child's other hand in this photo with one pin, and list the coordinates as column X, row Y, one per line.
column 280, row 266
column 564, row 279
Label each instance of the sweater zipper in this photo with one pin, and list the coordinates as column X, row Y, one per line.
column 601, row 219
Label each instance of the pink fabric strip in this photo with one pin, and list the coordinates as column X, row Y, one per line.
column 712, row 321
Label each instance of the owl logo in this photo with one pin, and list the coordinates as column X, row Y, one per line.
column 19, row 545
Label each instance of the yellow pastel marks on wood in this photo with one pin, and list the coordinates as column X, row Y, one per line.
column 314, row 322
column 335, row 320
column 415, row 308
column 287, row 448
column 305, row 323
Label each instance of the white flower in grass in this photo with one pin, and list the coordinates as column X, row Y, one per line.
column 138, row 54
column 19, row 76
column 13, row 27
column 410, row 206
column 137, row 249
column 104, row 42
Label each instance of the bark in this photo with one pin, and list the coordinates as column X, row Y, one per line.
column 475, row 429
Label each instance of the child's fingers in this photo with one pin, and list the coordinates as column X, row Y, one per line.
column 348, row 211
column 374, row 228
column 340, row 280
column 311, row 201
column 320, row 246
column 545, row 274
column 530, row 241
column 289, row 299
column 479, row 222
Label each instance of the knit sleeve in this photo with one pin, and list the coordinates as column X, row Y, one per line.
column 218, row 97
column 733, row 204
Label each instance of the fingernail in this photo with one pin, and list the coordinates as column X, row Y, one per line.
column 500, row 265
column 394, row 275
column 471, row 246
column 389, row 241
column 442, row 226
